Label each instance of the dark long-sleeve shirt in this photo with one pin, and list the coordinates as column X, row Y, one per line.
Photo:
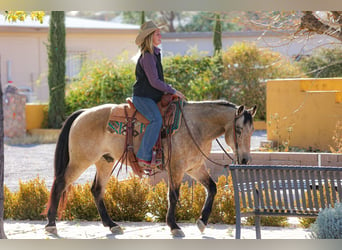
column 148, row 63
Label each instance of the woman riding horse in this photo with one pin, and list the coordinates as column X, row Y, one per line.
column 84, row 140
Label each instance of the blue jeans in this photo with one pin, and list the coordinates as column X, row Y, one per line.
column 148, row 108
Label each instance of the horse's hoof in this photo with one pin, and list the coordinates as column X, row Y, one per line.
column 116, row 230
column 51, row 229
column 177, row 233
column 200, row 225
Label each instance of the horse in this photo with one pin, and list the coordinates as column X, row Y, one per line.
column 84, row 140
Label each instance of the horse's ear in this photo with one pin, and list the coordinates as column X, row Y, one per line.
column 240, row 110
column 253, row 110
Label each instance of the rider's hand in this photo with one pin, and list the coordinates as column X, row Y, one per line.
column 180, row 94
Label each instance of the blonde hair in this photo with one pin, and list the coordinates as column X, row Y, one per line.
column 147, row 44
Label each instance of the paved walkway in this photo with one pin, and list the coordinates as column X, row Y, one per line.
column 144, row 230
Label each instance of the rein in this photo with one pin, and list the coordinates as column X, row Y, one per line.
column 199, row 148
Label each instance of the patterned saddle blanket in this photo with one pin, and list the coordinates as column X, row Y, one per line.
column 170, row 112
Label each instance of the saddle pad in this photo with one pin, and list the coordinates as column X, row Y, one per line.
column 117, row 119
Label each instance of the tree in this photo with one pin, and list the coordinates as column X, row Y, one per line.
column 322, row 22
column 56, row 75
column 217, row 38
column 142, row 17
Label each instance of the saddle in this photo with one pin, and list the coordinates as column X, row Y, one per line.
column 125, row 120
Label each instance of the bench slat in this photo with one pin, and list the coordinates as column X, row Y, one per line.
column 333, row 186
column 311, row 196
column 339, row 188
column 267, row 190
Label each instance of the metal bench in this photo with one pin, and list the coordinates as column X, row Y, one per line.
column 283, row 191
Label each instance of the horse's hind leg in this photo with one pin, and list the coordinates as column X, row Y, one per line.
column 103, row 173
column 204, row 178
column 57, row 189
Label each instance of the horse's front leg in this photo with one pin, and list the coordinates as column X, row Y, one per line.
column 173, row 195
column 204, row 178
column 103, row 173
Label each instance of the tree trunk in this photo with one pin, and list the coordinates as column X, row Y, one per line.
column 56, row 77
column 2, row 171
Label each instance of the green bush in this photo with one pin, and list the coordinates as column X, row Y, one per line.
column 126, row 200
column 29, row 202
column 306, row 222
column 100, row 82
column 328, row 224
column 198, row 77
column 9, row 203
column 224, row 203
column 80, row 204
column 324, row 62
column 273, row 221
column 158, row 201
column 247, row 68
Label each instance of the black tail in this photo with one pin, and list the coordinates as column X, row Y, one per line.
column 62, row 146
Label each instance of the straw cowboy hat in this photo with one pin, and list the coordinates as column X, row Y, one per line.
column 145, row 29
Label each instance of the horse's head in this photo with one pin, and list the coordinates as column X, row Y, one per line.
column 239, row 137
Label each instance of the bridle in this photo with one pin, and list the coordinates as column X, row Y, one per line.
column 218, row 142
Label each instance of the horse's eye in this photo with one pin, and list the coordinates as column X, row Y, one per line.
column 238, row 130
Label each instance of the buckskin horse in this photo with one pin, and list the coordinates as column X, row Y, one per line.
column 84, row 140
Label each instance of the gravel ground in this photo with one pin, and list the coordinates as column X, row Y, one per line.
column 144, row 230
column 26, row 162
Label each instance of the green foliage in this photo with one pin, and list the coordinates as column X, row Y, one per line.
column 198, row 77
column 306, row 222
column 157, row 201
column 100, row 82
column 80, row 204
column 273, row 221
column 324, row 62
column 9, row 203
column 328, row 224
column 248, row 67
column 217, row 37
column 224, row 204
column 204, row 22
column 126, row 200
column 56, row 75
column 28, row 203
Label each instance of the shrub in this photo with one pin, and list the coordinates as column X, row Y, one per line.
column 224, row 203
column 324, row 62
column 9, row 203
column 29, row 202
column 328, row 224
column 198, row 77
column 80, row 204
column 100, row 82
column 247, row 67
column 306, row 222
column 158, row 201
column 127, row 200
column 273, row 221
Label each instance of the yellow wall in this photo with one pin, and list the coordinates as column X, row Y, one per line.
column 34, row 115
column 308, row 108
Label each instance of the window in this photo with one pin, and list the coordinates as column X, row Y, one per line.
column 74, row 63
